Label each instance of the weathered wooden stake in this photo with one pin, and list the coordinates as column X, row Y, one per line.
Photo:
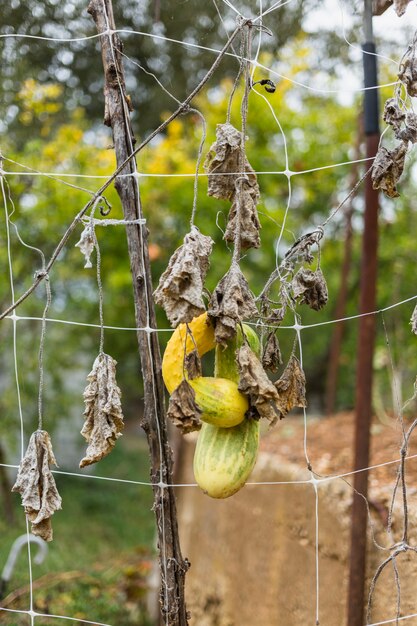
column 117, row 106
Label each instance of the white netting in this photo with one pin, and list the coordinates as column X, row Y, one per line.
column 11, row 168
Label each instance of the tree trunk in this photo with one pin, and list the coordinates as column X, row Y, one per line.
column 117, row 106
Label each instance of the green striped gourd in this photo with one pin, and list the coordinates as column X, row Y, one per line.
column 224, row 457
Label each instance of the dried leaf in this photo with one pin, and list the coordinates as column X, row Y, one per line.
column 408, row 73
column 255, row 384
column 387, row 169
column 103, row 411
column 291, row 387
column 301, row 249
column 409, row 132
column 400, row 6
column 192, row 364
column 183, row 410
column 36, row 484
column 271, row 357
column 249, row 221
column 393, row 114
column 231, row 302
column 311, row 287
column 277, row 315
column 181, row 285
column 404, row 123
column 86, row 244
column 413, row 321
column 224, row 158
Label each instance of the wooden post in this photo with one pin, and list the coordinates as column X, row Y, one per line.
column 366, row 340
column 117, row 106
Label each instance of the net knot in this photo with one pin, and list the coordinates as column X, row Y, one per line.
column 320, row 232
column 401, row 546
column 242, row 22
column 41, row 275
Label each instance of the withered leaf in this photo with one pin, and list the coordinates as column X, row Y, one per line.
column 409, row 132
column 408, row 73
column 223, row 163
column 291, row 387
column 404, row 123
column 103, row 410
column 86, row 244
column 181, row 285
column 301, row 249
column 249, row 221
column 183, row 410
column 311, row 287
column 271, row 357
column 255, row 384
column 387, row 169
column 277, row 315
column 36, row 484
column 393, row 114
column 192, row 364
column 231, row 302
column 413, row 321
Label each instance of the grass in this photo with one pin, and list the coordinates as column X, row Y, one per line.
column 98, row 562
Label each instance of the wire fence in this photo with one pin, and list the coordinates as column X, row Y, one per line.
column 298, row 328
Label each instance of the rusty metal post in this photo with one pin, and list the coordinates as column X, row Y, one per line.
column 366, row 338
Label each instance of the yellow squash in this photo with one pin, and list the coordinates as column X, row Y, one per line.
column 219, row 399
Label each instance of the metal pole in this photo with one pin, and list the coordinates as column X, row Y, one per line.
column 366, row 340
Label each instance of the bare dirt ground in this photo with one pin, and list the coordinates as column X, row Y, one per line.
column 253, row 555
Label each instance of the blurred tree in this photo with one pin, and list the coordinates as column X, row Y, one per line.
column 76, row 66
